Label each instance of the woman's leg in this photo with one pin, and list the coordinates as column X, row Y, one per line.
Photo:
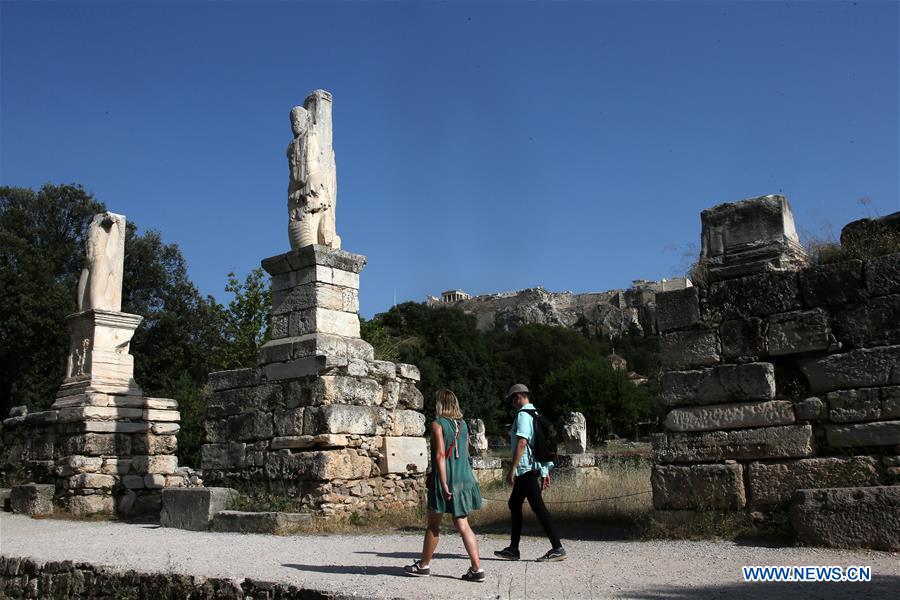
column 432, row 533
column 469, row 541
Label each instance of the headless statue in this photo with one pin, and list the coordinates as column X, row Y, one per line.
column 100, row 286
column 312, row 191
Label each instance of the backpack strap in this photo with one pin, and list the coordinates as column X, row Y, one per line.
column 533, row 413
column 453, row 444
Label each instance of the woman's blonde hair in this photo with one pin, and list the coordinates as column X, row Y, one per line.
column 446, row 404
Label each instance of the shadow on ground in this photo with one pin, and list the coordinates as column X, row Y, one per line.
column 358, row 570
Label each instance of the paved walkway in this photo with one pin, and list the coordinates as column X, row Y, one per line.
column 370, row 566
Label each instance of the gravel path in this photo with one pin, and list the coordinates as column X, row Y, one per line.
column 369, row 565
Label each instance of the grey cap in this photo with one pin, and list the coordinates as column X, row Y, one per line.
column 517, row 388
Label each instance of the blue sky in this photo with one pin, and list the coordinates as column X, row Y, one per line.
column 482, row 146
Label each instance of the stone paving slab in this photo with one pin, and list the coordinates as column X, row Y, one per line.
column 368, row 566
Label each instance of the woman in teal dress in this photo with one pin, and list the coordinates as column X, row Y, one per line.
column 453, row 487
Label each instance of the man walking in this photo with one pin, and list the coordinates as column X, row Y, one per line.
column 528, row 478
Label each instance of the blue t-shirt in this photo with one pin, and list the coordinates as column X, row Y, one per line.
column 523, row 427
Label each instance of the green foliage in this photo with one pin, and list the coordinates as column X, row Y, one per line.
column 245, row 323
column 42, row 236
column 565, row 370
column 608, row 400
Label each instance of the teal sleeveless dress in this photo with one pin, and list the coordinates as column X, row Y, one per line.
column 460, row 479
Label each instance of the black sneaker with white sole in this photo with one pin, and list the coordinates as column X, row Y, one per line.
column 417, row 570
column 554, row 555
column 473, row 575
column 507, row 553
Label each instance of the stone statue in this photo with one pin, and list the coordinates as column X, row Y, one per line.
column 100, row 286
column 312, row 192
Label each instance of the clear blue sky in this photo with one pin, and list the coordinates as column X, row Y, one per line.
column 482, row 146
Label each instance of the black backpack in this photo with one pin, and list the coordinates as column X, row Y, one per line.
column 543, row 447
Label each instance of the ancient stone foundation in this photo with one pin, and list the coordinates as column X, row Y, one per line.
column 778, row 377
column 104, row 445
column 318, row 420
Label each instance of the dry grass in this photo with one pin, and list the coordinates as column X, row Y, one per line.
column 572, row 502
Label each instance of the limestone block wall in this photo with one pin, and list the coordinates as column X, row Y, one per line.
column 777, row 377
column 318, row 420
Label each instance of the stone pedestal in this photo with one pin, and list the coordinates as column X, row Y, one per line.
column 115, row 447
column 98, row 353
column 750, row 236
column 318, row 420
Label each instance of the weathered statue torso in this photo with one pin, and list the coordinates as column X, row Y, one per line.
column 100, row 286
column 312, row 191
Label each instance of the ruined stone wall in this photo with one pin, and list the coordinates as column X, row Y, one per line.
column 319, row 421
column 777, row 378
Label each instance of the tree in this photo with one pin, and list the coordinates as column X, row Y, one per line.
column 245, row 323
column 42, row 239
column 604, row 395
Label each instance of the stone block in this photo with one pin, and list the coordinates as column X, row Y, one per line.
column 236, row 378
column 338, row 389
column 866, row 517
column 46, row 417
column 325, row 440
column 133, row 482
column 97, row 444
column 874, row 324
column 289, row 422
column 165, row 428
column 785, row 441
column 322, row 320
column 743, row 339
column 314, row 256
column 574, row 433
column 315, row 295
column 319, row 465
column 851, row 406
column 883, row 433
column 160, row 415
column 154, row 444
column 408, row 371
column 32, row 499
column 811, row 409
column 799, row 331
column 731, row 416
column 72, row 464
column 98, row 413
column 883, row 275
column 89, row 480
column 750, row 236
column 831, row 284
column 344, row 418
column 154, row 481
column 112, row 426
column 406, row 423
column 303, row 367
column 271, row 523
column 320, row 343
column 404, row 455
column 689, row 348
column 163, row 465
column 486, row 462
column 94, row 504
column 890, row 402
column 864, row 367
column 775, row 483
column 390, row 394
column 193, row 508
column 410, row 397
column 757, row 295
column 223, row 456
column 698, row 487
column 718, row 385
column 266, row 398
column 677, row 309
column 249, row 426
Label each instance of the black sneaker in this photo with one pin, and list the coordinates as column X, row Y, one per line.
column 554, row 555
column 417, row 570
column 507, row 553
column 473, row 575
